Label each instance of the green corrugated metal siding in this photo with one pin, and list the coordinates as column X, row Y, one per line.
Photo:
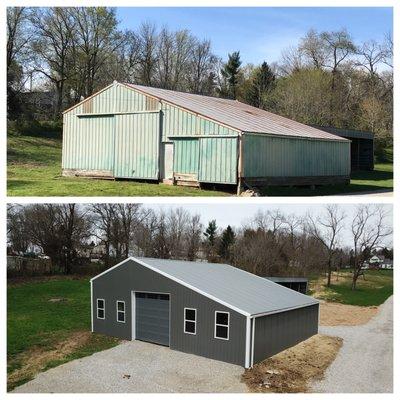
column 218, row 160
column 186, row 156
column 88, row 143
column 178, row 122
column 267, row 156
column 137, row 145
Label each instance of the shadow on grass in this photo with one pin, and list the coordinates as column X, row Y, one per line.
column 372, row 175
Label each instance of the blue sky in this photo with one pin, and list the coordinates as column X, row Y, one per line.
column 262, row 33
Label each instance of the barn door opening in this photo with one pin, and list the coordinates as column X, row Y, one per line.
column 152, row 314
column 137, row 142
column 186, row 161
column 168, row 161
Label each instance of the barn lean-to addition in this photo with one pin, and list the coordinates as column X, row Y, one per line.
column 137, row 132
column 211, row 310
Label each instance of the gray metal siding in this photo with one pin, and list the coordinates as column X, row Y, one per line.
column 131, row 276
column 277, row 332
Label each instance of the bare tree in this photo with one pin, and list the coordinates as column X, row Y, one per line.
column 369, row 227
column 372, row 54
column 52, row 46
column 292, row 60
column 388, row 50
column 96, row 40
column 103, row 216
column 147, row 36
column 193, row 242
column 325, row 229
column 313, row 48
column 202, row 68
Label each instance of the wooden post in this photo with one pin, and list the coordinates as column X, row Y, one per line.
column 240, row 157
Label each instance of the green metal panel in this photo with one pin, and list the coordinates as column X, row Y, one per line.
column 88, row 143
column 186, row 155
column 137, row 146
column 178, row 122
column 218, row 160
column 267, row 156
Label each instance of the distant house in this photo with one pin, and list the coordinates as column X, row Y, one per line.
column 378, row 262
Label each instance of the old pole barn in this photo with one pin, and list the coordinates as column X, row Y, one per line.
column 137, row 132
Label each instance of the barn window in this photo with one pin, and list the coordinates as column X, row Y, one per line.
column 190, row 321
column 101, row 308
column 221, row 330
column 120, row 311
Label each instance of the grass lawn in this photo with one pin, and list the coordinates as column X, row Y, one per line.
column 372, row 289
column 48, row 323
column 34, row 169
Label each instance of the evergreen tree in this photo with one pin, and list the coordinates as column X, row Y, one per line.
column 211, row 232
column 262, row 82
column 230, row 73
column 227, row 241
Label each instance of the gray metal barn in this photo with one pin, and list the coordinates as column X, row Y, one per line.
column 294, row 283
column 130, row 131
column 211, row 310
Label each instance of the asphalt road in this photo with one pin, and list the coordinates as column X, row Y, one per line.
column 365, row 362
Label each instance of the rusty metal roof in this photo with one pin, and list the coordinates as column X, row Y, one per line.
column 237, row 115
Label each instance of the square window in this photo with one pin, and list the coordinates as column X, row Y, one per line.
column 221, row 332
column 190, row 327
column 190, row 314
column 121, row 306
column 222, row 318
column 100, row 313
column 121, row 316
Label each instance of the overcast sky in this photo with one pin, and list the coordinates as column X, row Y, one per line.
column 261, row 33
column 237, row 214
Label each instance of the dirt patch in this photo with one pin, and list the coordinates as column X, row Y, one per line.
column 331, row 314
column 36, row 359
column 293, row 370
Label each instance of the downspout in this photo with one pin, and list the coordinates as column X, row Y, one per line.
column 248, row 343
column 91, row 305
column 253, row 329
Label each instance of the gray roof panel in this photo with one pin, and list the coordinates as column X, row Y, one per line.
column 240, row 289
column 237, row 115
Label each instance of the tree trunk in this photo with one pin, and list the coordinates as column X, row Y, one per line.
column 328, row 283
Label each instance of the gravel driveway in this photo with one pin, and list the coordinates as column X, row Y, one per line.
column 365, row 362
column 138, row 367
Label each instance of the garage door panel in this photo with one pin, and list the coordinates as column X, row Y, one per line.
column 152, row 318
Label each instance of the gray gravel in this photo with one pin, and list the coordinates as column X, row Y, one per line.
column 365, row 362
column 138, row 367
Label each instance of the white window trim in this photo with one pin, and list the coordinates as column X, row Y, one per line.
column 189, row 320
column 215, row 325
column 101, row 308
column 119, row 311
